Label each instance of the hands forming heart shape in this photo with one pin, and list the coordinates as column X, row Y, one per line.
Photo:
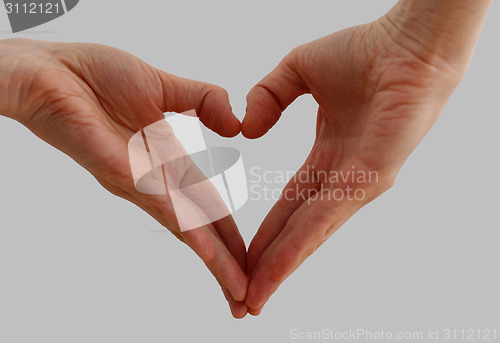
column 379, row 87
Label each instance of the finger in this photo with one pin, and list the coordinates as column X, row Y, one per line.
column 318, row 220
column 210, row 102
column 202, row 243
column 254, row 312
column 298, row 190
column 271, row 96
column 205, row 241
column 207, row 244
column 262, row 284
column 231, row 236
column 238, row 308
column 206, row 200
column 200, row 240
column 215, row 254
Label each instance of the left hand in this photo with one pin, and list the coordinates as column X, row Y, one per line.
column 88, row 100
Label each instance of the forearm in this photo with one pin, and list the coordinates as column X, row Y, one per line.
column 5, row 65
column 438, row 30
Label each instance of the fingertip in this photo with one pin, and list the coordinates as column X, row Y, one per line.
column 251, row 129
column 238, row 308
column 263, row 111
column 260, row 288
column 254, row 296
column 227, row 124
column 236, row 281
column 239, row 293
column 216, row 113
column 233, row 130
column 255, row 312
column 240, row 311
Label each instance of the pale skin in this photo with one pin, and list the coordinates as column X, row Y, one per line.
column 88, row 100
column 380, row 87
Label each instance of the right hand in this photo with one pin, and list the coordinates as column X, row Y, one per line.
column 379, row 92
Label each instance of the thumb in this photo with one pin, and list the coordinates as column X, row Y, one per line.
column 210, row 102
column 271, row 96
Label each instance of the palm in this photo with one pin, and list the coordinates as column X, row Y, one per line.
column 369, row 97
column 99, row 97
column 376, row 102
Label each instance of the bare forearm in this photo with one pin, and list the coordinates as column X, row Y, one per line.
column 439, row 30
column 21, row 61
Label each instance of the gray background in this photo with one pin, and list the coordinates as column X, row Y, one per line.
column 79, row 265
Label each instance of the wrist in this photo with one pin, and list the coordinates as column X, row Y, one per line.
column 5, row 104
column 438, row 32
column 20, row 62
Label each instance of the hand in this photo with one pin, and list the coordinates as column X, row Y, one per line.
column 88, row 100
column 379, row 91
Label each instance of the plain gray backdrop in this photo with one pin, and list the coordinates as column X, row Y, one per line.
column 80, row 265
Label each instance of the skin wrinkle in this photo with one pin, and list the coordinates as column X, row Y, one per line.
column 163, row 91
column 201, row 107
column 429, row 62
column 107, row 107
column 7, row 88
column 84, row 122
column 278, row 102
column 377, row 95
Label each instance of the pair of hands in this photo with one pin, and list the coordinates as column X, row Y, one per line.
column 378, row 88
